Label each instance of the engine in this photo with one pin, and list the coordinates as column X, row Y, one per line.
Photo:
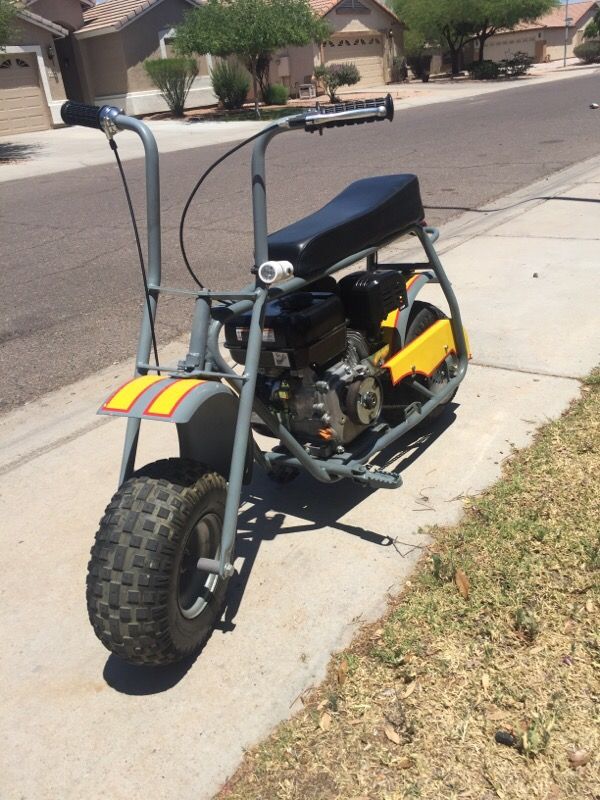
column 320, row 364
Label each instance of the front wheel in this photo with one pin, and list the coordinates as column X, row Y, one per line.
column 146, row 600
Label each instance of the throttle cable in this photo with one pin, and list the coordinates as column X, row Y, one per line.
column 113, row 147
column 199, row 183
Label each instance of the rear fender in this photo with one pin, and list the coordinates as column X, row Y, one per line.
column 205, row 413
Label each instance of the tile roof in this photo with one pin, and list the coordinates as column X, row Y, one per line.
column 556, row 17
column 114, row 14
column 322, row 7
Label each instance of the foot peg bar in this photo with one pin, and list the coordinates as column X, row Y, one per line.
column 212, row 565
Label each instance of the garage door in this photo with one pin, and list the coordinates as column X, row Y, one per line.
column 366, row 51
column 22, row 104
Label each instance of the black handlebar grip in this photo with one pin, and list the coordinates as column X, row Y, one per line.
column 81, row 114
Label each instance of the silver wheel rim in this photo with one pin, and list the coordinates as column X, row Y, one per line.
column 195, row 587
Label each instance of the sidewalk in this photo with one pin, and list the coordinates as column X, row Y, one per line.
column 314, row 562
column 42, row 153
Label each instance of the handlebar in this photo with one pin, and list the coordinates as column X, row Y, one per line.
column 352, row 112
column 334, row 115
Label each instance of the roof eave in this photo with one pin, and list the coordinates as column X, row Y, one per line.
column 42, row 22
column 117, row 27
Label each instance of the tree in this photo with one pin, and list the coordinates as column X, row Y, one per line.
column 454, row 23
column 8, row 13
column 495, row 15
column 251, row 29
column 333, row 76
column 592, row 29
column 448, row 23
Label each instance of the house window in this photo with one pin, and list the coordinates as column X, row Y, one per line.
column 5, row 64
column 352, row 7
column 166, row 40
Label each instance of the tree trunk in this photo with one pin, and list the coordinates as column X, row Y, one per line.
column 255, row 86
column 455, row 57
column 482, row 41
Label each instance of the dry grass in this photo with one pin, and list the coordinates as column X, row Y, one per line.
column 498, row 631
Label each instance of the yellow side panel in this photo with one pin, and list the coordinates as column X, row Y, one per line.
column 165, row 402
column 391, row 320
column 425, row 354
column 125, row 397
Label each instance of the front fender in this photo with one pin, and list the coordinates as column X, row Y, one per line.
column 205, row 413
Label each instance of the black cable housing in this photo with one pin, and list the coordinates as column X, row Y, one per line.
column 113, row 147
column 199, row 183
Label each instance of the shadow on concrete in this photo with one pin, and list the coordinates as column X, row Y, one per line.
column 139, row 680
column 9, row 152
column 265, row 507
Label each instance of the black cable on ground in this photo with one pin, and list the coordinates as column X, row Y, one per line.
column 113, row 147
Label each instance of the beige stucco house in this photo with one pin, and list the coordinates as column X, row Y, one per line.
column 94, row 53
column 91, row 53
column 116, row 38
column 365, row 32
column 544, row 39
column 32, row 83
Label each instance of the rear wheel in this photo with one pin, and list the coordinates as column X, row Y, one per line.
column 397, row 398
column 146, row 600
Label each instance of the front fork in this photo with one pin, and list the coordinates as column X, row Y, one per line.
column 223, row 565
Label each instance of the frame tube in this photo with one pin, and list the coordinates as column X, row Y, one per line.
column 151, row 161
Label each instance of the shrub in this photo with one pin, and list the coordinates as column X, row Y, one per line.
column 588, row 52
column 174, row 78
column 484, row 70
column 276, row 95
column 399, row 69
column 420, row 64
column 335, row 75
column 230, row 83
column 518, row 65
column 513, row 67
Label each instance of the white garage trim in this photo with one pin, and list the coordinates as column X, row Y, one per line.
column 53, row 105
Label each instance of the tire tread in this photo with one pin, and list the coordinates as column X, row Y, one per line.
column 132, row 559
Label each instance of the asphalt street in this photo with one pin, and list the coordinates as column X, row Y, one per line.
column 70, row 290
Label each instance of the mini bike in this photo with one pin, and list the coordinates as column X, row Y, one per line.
column 333, row 370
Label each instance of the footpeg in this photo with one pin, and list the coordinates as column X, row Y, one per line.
column 379, row 479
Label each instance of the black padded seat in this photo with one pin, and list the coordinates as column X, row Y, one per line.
column 368, row 213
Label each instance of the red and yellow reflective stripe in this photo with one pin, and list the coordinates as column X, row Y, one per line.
column 166, row 401
column 127, row 395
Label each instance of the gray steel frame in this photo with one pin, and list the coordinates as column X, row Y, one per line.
column 204, row 359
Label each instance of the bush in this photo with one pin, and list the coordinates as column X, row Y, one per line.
column 420, row 64
column 276, row 95
column 336, row 75
column 513, row 67
column 588, row 52
column 484, row 70
column 174, row 78
column 518, row 65
column 231, row 84
column 399, row 69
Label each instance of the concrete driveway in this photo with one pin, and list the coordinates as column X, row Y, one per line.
column 313, row 562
